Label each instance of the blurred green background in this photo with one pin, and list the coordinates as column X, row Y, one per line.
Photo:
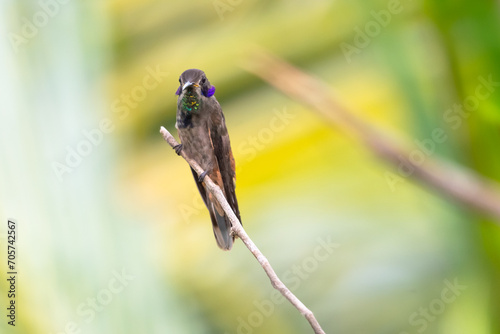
column 116, row 239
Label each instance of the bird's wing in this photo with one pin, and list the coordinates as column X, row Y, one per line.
column 221, row 225
column 224, row 155
column 201, row 189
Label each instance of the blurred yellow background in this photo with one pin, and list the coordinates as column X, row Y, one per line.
column 112, row 234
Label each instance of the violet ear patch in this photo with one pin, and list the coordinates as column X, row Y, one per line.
column 210, row 92
column 178, row 92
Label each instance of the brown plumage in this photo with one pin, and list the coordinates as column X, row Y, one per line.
column 204, row 138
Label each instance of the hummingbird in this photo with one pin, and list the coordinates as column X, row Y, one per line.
column 204, row 138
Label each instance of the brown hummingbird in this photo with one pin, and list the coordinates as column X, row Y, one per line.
column 202, row 130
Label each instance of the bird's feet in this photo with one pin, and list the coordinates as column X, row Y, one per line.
column 178, row 149
column 202, row 176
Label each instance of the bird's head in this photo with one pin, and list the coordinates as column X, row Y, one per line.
column 195, row 79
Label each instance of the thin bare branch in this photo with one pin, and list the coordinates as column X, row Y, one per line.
column 457, row 183
column 238, row 230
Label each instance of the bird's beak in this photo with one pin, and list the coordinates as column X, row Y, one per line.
column 189, row 83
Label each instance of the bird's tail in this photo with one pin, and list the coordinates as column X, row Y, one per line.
column 220, row 224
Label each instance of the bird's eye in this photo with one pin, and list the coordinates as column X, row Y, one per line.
column 203, row 80
column 180, row 80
